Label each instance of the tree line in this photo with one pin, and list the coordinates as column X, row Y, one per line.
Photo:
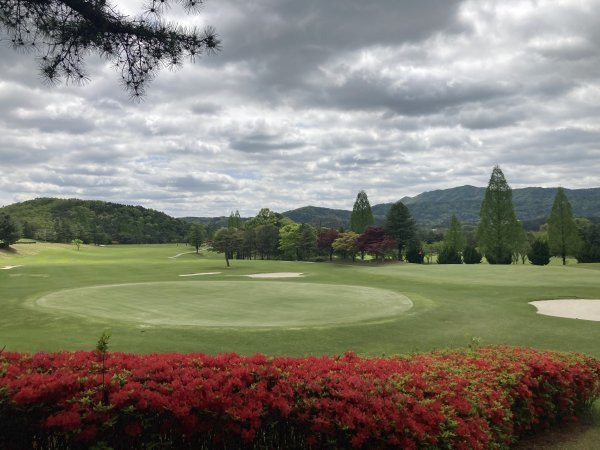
column 499, row 236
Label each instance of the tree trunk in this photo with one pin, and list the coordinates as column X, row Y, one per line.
column 226, row 259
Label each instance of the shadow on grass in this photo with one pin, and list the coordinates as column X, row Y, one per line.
column 582, row 435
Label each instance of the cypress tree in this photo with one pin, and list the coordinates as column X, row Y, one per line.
column 400, row 225
column 362, row 216
column 498, row 230
column 455, row 238
column 563, row 238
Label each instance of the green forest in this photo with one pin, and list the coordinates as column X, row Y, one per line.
column 94, row 222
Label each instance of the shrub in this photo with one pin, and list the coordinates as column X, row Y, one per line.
column 480, row 398
column 539, row 253
column 449, row 255
column 471, row 255
column 414, row 252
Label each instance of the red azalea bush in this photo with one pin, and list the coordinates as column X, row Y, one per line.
column 484, row 398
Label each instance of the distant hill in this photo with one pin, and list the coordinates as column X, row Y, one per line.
column 94, row 221
column 211, row 223
column 435, row 208
column 326, row 217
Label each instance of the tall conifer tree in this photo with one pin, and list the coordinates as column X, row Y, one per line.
column 362, row 216
column 400, row 225
column 498, row 231
column 455, row 238
column 563, row 238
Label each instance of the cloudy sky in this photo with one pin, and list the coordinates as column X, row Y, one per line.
column 310, row 101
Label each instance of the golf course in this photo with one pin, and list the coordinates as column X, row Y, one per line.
column 167, row 298
column 159, row 298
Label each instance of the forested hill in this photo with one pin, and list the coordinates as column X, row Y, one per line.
column 435, row 208
column 325, row 217
column 94, row 221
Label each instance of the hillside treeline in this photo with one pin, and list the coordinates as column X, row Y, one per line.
column 94, row 222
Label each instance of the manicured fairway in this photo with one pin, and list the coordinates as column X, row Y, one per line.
column 334, row 308
column 235, row 304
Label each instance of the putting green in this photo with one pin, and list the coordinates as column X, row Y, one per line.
column 241, row 304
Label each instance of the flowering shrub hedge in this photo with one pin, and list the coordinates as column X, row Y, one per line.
column 484, row 398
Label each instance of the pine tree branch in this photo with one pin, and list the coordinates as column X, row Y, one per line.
column 70, row 29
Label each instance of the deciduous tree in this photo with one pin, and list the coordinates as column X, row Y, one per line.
column 196, row 236
column 77, row 243
column 563, row 239
column 267, row 237
column 65, row 32
column 227, row 241
column 377, row 242
column 288, row 240
column 589, row 251
column 325, row 240
column 9, row 231
column 265, row 216
column 498, row 230
column 346, row 245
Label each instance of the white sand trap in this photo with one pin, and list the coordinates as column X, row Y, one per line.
column 197, row 274
column 8, row 267
column 276, row 275
column 583, row 309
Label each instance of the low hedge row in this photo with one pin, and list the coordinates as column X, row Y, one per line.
column 484, row 398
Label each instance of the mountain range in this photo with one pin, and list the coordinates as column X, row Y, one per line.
column 61, row 219
column 435, row 208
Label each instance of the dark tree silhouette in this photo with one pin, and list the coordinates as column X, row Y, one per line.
column 64, row 32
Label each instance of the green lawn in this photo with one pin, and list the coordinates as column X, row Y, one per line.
column 61, row 298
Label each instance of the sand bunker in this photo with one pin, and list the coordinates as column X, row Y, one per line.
column 583, row 309
column 8, row 267
column 197, row 274
column 276, row 275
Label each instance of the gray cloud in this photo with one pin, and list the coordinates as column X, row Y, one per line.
column 310, row 101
